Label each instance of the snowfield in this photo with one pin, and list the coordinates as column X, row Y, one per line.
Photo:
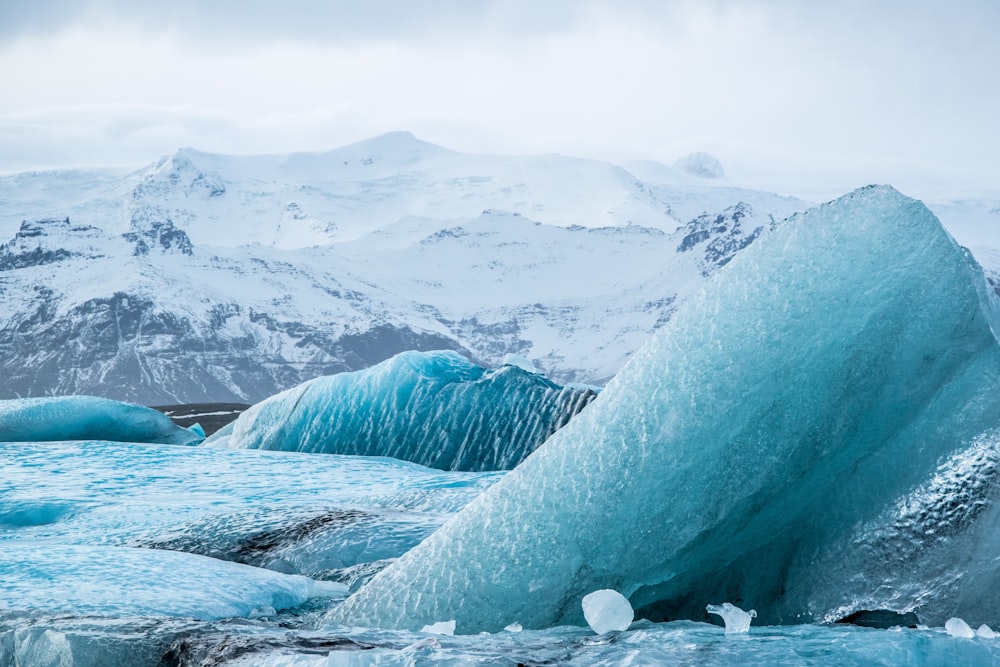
column 229, row 278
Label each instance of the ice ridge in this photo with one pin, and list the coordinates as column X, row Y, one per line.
column 89, row 418
column 437, row 409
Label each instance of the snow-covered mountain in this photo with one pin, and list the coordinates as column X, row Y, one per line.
column 212, row 277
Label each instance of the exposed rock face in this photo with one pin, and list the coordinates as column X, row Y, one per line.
column 42, row 242
column 720, row 236
column 130, row 348
column 159, row 236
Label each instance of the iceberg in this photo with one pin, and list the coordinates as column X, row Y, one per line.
column 89, row 418
column 437, row 409
column 818, row 381
column 120, row 581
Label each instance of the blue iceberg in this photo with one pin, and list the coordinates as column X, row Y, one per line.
column 816, row 403
column 121, row 581
column 437, row 409
column 89, row 418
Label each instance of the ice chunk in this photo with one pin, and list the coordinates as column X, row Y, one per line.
column 956, row 627
column 89, row 418
column 607, row 610
column 440, row 628
column 514, row 627
column 433, row 408
column 736, row 619
column 821, row 375
column 986, row 632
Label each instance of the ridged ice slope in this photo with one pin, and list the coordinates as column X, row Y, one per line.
column 810, row 406
column 434, row 408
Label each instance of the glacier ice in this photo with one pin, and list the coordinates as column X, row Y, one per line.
column 89, row 418
column 110, row 550
column 820, row 377
column 735, row 619
column 293, row 513
column 607, row 610
column 122, row 581
column 440, row 628
column 433, row 408
column 99, row 642
column 956, row 627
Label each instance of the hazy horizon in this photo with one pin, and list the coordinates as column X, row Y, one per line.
column 804, row 99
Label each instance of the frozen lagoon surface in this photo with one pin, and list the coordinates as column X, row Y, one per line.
column 294, row 513
column 815, row 435
column 88, row 580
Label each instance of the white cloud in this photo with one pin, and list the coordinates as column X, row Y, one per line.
column 799, row 95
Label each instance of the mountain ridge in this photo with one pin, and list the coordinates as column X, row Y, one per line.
column 222, row 278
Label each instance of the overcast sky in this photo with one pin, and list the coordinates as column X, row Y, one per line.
column 803, row 97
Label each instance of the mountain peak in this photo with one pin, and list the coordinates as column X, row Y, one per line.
column 394, row 147
column 701, row 165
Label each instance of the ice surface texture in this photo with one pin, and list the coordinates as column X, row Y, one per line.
column 433, row 408
column 88, row 418
column 118, row 581
column 290, row 512
column 77, row 589
column 818, row 379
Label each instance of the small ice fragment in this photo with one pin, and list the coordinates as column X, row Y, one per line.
column 514, row 627
column 956, row 627
column 986, row 632
column 736, row 619
column 607, row 610
column 440, row 628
